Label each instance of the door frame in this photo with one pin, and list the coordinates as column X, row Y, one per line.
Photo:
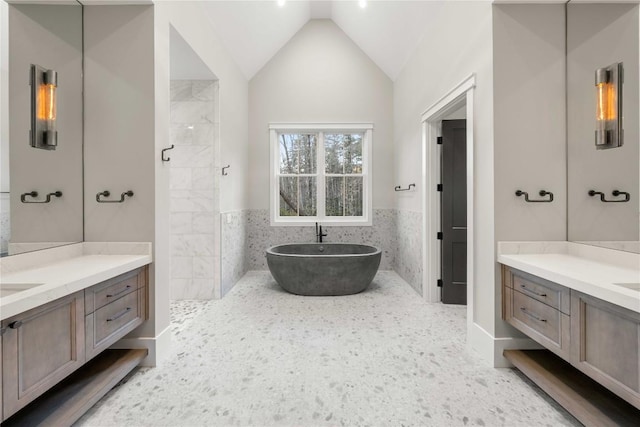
column 461, row 94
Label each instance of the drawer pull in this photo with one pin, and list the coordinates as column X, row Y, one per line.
column 118, row 293
column 119, row 315
column 533, row 316
column 15, row 325
column 524, row 288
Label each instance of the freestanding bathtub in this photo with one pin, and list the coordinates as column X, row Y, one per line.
column 323, row 268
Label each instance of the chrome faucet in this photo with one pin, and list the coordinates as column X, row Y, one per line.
column 319, row 234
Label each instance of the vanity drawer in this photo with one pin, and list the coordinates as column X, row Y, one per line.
column 539, row 289
column 108, row 324
column 111, row 290
column 545, row 324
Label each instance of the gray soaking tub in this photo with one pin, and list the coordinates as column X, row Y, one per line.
column 323, row 268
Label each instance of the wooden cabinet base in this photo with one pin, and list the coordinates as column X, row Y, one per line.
column 582, row 397
column 68, row 401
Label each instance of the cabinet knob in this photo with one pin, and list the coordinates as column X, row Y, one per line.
column 15, row 325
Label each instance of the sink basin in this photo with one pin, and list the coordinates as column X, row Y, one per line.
column 633, row 286
column 7, row 289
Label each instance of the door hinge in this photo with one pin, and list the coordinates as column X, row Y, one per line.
column 439, row 235
column 439, row 187
column 439, row 283
column 439, row 140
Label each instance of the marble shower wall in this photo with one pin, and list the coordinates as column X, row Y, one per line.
column 5, row 224
column 195, row 202
column 408, row 259
column 234, row 248
column 261, row 235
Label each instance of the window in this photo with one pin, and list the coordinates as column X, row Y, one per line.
column 321, row 173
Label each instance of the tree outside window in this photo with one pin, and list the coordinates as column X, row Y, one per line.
column 321, row 175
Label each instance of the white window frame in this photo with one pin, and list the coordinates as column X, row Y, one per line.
column 274, row 207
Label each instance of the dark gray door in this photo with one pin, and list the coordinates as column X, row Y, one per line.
column 454, row 211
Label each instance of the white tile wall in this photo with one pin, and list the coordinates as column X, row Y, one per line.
column 234, row 248
column 195, row 272
column 5, row 225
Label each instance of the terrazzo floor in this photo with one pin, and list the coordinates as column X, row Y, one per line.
column 263, row 357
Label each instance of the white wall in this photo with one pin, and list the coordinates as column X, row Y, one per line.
column 190, row 20
column 459, row 42
column 5, row 226
column 319, row 76
column 49, row 36
column 119, row 121
column 4, row 97
column 599, row 35
column 529, row 126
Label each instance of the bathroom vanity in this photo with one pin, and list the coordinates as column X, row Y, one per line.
column 60, row 310
column 581, row 303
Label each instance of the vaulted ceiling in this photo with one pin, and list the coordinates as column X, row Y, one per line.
column 387, row 31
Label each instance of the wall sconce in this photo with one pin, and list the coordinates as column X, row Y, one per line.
column 43, row 132
column 609, row 133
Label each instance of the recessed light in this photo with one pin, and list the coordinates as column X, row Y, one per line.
column 362, row 3
column 281, row 3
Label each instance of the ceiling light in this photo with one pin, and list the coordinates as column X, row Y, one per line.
column 362, row 3
column 281, row 2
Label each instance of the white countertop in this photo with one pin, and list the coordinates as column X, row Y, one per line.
column 62, row 271
column 590, row 270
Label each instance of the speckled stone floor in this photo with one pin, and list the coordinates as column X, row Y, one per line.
column 263, row 357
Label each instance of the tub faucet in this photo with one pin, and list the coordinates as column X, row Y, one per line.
column 319, row 234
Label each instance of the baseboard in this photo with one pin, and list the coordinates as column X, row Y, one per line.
column 158, row 347
column 490, row 348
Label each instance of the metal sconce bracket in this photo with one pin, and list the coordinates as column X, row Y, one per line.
column 615, row 193
column 542, row 193
column 23, row 197
column 107, row 193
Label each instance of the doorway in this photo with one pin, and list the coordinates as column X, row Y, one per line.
column 453, row 211
column 459, row 97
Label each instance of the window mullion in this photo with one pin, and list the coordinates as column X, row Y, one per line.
column 343, row 195
column 320, row 181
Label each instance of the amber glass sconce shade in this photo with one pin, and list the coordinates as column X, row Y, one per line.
column 609, row 132
column 44, row 84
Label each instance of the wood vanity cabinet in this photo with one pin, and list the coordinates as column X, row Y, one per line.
column 42, row 346
column 606, row 345
column 539, row 308
column 114, row 308
column 599, row 338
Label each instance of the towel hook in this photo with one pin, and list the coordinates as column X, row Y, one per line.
column 107, row 193
column 224, row 173
column 542, row 193
column 162, row 153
